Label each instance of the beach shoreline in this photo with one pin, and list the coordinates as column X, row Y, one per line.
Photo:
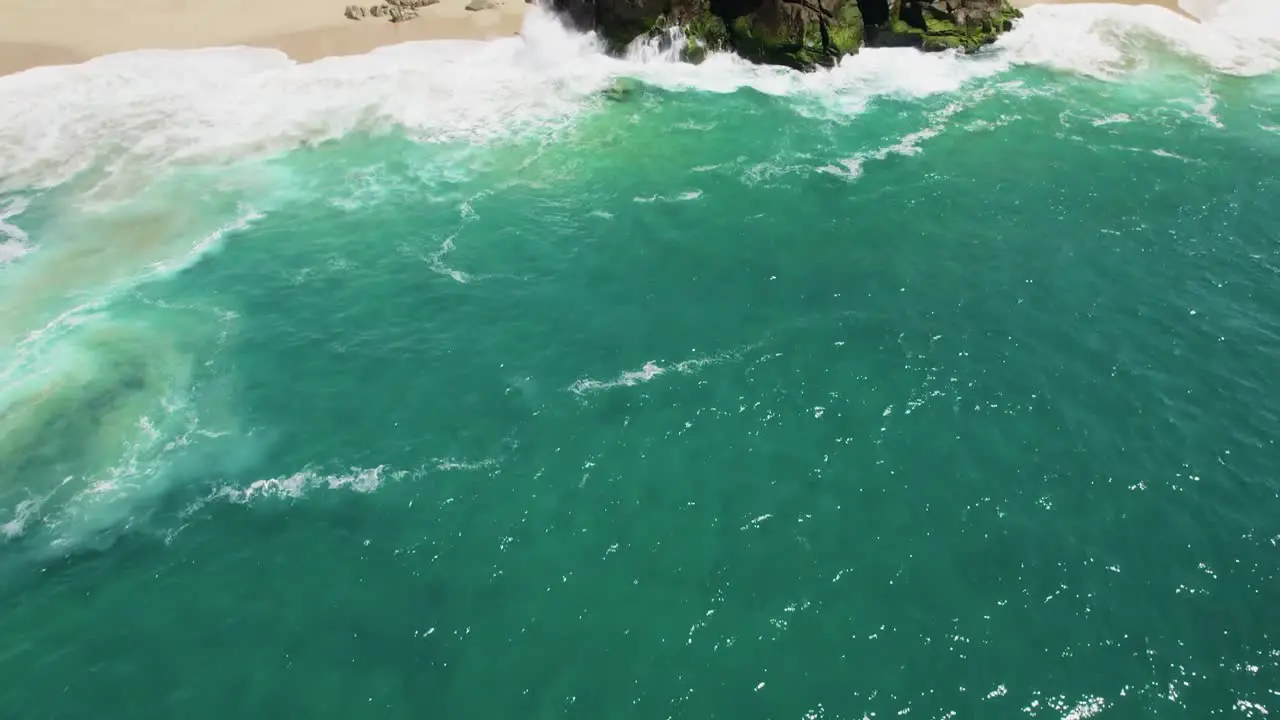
column 38, row 33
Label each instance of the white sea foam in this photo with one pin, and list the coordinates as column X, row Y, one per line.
column 437, row 264
column 680, row 197
column 13, row 241
column 361, row 480
column 651, row 370
column 130, row 116
column 626, row 378
column 1240, row 37
column 449, row 464
column 158, row 108
column 23, row 513
column 1112, row 120
column 851, row 168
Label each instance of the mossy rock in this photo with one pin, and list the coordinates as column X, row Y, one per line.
column 704, row 35
column 928, row 28
column 800, row 35
column 619, row 22
column 845, row 34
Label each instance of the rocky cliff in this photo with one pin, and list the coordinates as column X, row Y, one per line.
column 803, row 34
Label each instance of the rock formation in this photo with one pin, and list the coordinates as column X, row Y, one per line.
column 944, row 24
column 395, row 11
column 804, row 34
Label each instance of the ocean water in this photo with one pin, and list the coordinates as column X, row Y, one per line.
column 509, row 380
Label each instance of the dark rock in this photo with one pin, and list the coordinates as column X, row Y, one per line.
column 477, row 5
column 703, row 36
column 354, row 12
column 933, row 25
column 577, row 13
column 803, row 34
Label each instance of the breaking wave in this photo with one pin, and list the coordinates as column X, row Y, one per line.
column 119, row 396
column 156, row 109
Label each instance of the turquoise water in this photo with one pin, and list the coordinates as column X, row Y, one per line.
column 937, row 387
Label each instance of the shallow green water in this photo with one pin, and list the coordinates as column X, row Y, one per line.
column 700, row 405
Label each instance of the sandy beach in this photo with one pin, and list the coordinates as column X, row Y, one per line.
column 37, row 32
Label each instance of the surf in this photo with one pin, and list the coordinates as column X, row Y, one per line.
column 109, row 166
column 163, row 109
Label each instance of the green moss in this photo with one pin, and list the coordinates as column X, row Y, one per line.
column 938, row 43
column 845, row 34
column 940, row 33
column 845, row 39
column 816, row 41
column 902, row 28
column 935, row 26
column 704, row 35
column 849, row 14
column 1008, row 14
column 708, row 30
column 693, row 52
column 757, row 33
column 757, row 42
column 812, row 37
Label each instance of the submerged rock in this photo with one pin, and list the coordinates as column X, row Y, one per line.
column 477, row 5
column 620, row 90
